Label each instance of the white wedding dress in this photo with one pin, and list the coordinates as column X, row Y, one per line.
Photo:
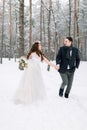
column 31, row 88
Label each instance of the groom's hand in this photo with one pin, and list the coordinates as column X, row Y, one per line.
column 58, row 67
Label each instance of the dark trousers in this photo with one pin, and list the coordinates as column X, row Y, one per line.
column 67, row 79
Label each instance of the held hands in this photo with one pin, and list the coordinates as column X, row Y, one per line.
column 56, row 67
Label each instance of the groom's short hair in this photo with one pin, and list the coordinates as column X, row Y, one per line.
column 70, row 39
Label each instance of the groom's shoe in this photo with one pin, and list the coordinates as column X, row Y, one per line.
column 61, row 92
column 66, row 95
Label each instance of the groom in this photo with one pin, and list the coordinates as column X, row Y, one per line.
column 68, row 60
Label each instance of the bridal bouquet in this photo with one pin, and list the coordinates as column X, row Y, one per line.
column 22, row 63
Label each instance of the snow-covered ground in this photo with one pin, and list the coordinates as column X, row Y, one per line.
column 55, row 113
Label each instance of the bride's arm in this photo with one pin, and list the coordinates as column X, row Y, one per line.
column 49, row 63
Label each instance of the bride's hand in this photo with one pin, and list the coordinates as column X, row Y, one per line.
column 56, row 67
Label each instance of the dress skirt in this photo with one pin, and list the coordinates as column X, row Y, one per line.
column 31, row 88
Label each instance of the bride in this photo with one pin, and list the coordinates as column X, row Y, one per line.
column 31, row 88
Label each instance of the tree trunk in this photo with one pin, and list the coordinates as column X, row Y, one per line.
column 11, row 32
column 74, row 20
column 1, row 52
column 44, row 26
column 69, row 17
column 55, row 35
column 86, row 47
column 78, row 42
column 49, row 26
column 21, row 28
column 41, row 21
column 30, row 28
column 76, row 27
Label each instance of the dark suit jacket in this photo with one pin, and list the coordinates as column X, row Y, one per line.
column 73, row 62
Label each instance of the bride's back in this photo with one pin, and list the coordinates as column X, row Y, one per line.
column 34, row 57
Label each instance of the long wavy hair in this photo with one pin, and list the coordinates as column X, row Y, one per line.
column 35, row 48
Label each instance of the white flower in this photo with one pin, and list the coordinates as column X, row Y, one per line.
column 22, row 63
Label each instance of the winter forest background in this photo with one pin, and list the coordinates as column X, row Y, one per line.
column 21, row 23
column 49, row 21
